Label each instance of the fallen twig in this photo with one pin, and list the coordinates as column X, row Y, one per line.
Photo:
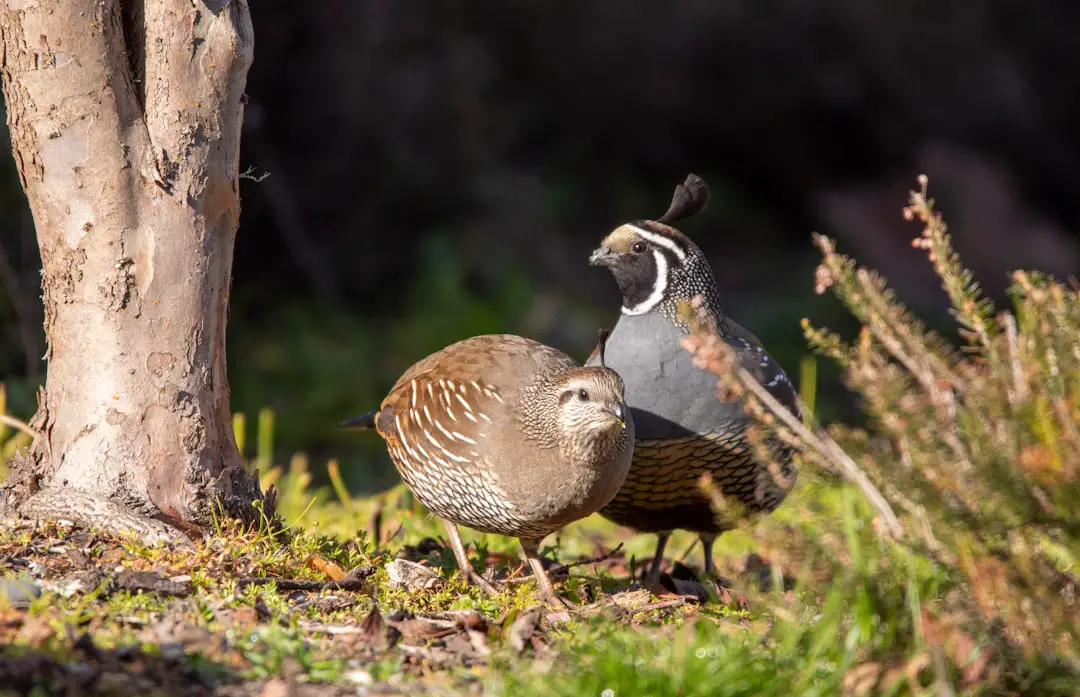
column 563, row 568
column 661, row 605
column 560, row 570
column 359, row 576
column 151, row 582
column 332, row 629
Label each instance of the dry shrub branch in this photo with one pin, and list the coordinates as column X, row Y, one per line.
column 977, row 445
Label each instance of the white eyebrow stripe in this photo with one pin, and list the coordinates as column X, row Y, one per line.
column 665, row 242
column 659, row 288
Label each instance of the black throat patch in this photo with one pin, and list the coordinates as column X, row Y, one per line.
column 637, row 277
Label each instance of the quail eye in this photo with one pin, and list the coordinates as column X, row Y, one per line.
column 638, row 248
column 583, row 395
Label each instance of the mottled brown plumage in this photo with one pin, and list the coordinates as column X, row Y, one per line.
column 505, row 435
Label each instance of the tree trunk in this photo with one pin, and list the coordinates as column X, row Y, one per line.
column 125, row 121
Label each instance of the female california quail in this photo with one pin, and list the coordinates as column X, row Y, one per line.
column 683, row 430
column 506, row 435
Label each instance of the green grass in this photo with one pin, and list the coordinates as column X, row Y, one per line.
column 977, row 450
column 856, row 614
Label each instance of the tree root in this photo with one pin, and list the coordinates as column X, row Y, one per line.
column 235, row 490
column 96, row 511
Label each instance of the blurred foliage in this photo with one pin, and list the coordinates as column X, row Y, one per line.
column 979, row 446
column 14, row 434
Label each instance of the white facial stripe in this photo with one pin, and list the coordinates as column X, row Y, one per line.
column 659, row 286
column 665, row 242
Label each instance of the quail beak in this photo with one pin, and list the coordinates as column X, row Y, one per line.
column 619, row 412
column 602, row 256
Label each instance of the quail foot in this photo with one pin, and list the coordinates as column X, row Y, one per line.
column 505, row 435
column 683, row 431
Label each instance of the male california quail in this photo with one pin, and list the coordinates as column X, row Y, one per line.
column 506, row 435
column 683, row 430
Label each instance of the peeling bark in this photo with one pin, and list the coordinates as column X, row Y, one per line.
column 125, row 121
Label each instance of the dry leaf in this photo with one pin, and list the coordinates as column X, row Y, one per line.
column 276, row 687
column 479, row 642
column 245, row 615
column 861, row 679
column 407, row 574
column 421, row 629
column 35, row 632
column 523, row 628
column 374, row 631
column 326, row 567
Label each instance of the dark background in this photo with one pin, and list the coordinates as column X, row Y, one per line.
column 438, row 170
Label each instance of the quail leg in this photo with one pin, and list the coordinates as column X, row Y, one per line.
column 463, row 561
column 547, row 591
column 652, row 578
column 707, row 541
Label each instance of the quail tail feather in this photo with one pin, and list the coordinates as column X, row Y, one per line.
column 364, row 422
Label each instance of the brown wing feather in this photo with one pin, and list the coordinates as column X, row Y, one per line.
column 446, row 414
column 436, row 430
column 451, row 398
column 442, row 421
column 504, row 359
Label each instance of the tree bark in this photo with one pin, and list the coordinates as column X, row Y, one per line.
column 125, row 121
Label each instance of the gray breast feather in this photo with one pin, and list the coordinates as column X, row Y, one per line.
column 668, row 396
